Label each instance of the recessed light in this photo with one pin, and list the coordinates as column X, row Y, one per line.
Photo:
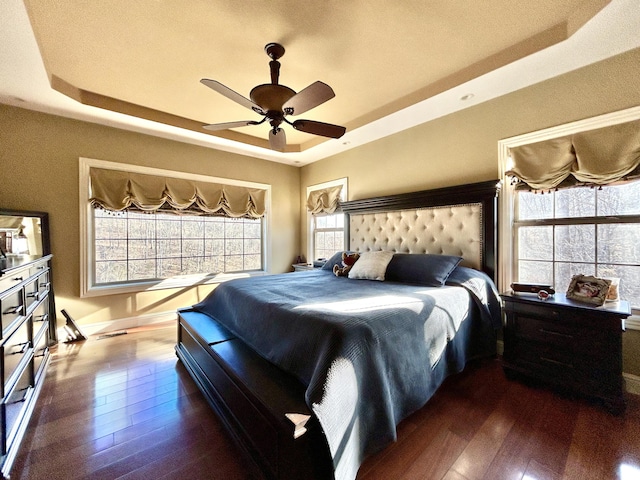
column 466, row 97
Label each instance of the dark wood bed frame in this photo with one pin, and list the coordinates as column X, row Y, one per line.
column 252, row 396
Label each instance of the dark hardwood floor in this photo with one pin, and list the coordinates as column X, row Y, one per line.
column 123, row 407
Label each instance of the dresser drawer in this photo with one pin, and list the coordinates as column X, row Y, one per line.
column 14, row 407
column 7, row 283
column 31, row 294
column 38, row 268
column 14, row 350
column 44, row 281
column 40, row 315
column 41, row 348
column 12, row 308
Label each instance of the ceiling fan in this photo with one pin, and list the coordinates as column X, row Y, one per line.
column 275, row 102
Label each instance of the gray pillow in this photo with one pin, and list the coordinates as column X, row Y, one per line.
column 421, row 268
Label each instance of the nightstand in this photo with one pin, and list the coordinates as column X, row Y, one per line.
column 301, row 267
column 568, row 344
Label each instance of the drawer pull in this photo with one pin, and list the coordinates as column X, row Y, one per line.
column 35, row 295
column 45, row 285
column 17, row 279
column 557, row 334
column 24, row 346
column 556, row 362
column 13, row 310
column 41, row 318
column 19, row 396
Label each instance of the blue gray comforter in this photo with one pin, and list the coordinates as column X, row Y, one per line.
column 366, row 350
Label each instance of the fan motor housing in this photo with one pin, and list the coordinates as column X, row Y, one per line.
column 270, row 96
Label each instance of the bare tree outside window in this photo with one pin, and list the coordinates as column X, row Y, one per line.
column 135, row 246
column 328, row 234
column 582, row 230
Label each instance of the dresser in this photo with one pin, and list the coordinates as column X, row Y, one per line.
column 568, row 344
column 27, row 312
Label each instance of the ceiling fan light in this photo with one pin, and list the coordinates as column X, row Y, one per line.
column 270, row 96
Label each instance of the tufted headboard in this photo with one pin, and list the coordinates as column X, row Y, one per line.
column 458, row 220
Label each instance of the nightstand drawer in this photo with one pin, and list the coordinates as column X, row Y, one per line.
column 551, row 358
column 565, row 369
column 571, row 337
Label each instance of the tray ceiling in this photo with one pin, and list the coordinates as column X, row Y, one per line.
column 144, row 59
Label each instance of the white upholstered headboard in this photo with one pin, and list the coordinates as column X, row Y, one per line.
column 458, row 220
column 450, row 230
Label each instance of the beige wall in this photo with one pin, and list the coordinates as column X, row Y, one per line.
column 463, row 147
column 39, row 171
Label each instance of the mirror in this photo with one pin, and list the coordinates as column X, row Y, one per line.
column 24, row 234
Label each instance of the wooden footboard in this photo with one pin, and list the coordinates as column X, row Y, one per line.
column 252, row 396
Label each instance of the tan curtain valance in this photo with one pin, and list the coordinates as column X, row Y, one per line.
column 595, row 157
column 117, row 191
column 10, row 223
column 326, row 200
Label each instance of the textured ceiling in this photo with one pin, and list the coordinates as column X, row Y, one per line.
column 377, row 55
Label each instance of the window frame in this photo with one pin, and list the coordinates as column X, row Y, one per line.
column 506, row 230
column 88, row 287
column 310, row 221
column 594, row 221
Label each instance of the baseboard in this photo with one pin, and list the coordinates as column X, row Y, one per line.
column 122, row 324
column 632, row 382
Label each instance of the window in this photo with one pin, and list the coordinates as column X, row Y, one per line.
column 327, row 230
column 550, row 237
column 133, row 250
column 581, row 230
column 135, row 246
column 328, row 234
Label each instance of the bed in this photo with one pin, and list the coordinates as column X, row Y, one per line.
column 311, row 372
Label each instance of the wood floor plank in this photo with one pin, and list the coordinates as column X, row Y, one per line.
column 124, row 407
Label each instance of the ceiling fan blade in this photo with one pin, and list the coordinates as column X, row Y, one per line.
column 232, row 95
column 315, row 94
column 223, row 126
column 319, row 128
column 277, row 139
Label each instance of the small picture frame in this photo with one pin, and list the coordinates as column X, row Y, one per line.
column 588, row 289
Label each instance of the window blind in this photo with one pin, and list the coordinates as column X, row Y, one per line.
column 116, row 190
column 595, row 157
column 325, row 200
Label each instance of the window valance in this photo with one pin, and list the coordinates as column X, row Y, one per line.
column 12, row 223
column 325, row 200
column 594, row 157
column 117, row 191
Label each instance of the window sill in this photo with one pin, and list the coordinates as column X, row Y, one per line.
column 186, row 281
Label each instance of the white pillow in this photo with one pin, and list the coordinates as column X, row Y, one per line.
column 371, row 265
